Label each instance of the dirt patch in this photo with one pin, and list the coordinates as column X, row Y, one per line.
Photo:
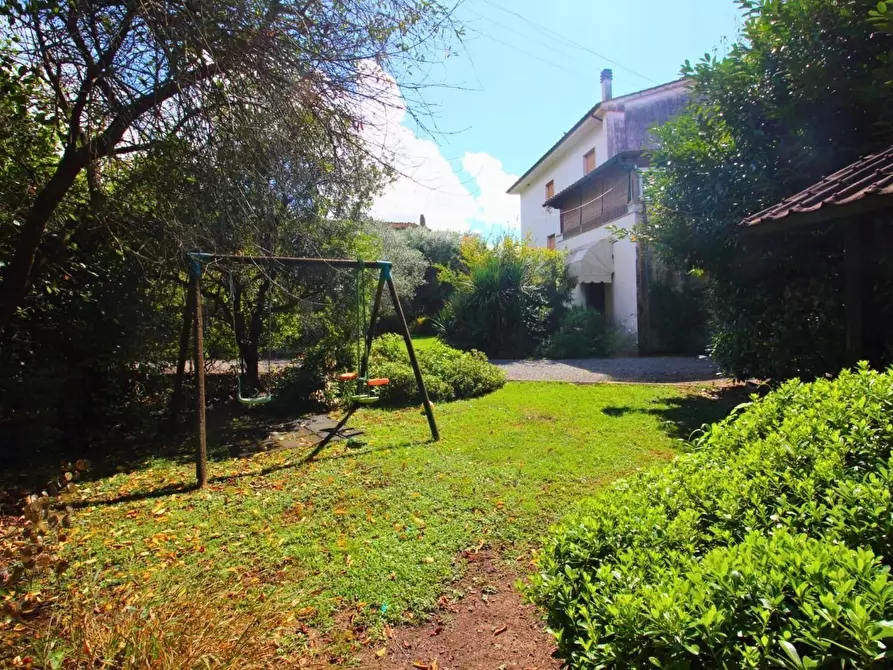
column 484, row 624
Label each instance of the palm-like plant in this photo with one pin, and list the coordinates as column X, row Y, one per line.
column 507, row 297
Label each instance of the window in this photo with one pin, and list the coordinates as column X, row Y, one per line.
column 550, row 189
column 550, row 242
column 589, row 161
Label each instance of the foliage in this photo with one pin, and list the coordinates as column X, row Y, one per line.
column 307, row 382
column 582, row 333
column 441, row 248
column 805, row 91
column 677, row 316
column 31, row 550
column 110, row 631
column 507, row 297
column 409, row 267
column 656, row 566
column 416, row 252
column 312, row 551
column 125, row 78
column 449, row 374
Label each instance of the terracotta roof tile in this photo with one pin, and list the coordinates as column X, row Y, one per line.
column 868, row 176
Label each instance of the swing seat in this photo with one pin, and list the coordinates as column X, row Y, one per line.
column 364, row 399
column 347, row 376
column 379, row 381
column 261, row 399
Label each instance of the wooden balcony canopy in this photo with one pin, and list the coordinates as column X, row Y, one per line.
column 600, row 196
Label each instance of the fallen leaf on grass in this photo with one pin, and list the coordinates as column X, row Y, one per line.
column 305, row 612
column 381, row 652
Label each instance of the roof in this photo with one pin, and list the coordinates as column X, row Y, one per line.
column 588, row 115
column 627, row 158
column 863, row 184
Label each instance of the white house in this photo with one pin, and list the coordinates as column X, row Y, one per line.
column 590, row 180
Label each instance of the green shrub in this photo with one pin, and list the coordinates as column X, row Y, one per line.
column 807, row 458
column 449, row 374
column 308, row 381
column 582, row 333
column 507, row 297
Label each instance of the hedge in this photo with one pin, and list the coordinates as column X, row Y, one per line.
column 629, row 579
column 449, row 374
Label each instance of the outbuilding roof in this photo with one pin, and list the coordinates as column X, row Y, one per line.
column 863, row 185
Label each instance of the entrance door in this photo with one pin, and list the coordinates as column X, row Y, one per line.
column 595, row 295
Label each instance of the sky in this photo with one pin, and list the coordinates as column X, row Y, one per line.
column 523, row 74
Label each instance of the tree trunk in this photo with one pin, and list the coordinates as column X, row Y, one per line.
column 17, row 277
column 251, row 356
column 185, row 331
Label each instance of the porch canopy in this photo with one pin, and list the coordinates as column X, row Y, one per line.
column 856, row 196
column 593, row 263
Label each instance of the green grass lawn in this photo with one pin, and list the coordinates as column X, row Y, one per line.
column 422, row 342
column 373, row 531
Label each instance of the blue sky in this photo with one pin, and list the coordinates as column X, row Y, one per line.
column 526, row 72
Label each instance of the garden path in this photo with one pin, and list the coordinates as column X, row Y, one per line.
column 651, row 369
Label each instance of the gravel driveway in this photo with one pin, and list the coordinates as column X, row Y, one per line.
column 662, row 369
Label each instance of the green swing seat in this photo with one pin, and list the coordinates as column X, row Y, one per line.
column 251, row 401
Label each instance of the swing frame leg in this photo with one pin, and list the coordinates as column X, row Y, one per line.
column 407, row 338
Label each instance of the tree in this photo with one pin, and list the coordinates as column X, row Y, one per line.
column 274, row 193
column 125, row 74
column 805, row 91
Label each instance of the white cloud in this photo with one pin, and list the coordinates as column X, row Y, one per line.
column 427, row 183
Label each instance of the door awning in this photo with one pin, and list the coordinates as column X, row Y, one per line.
column 593, row 263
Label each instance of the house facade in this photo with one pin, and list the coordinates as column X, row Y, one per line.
column 590, row 180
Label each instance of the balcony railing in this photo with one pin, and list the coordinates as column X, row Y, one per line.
column 598, row 203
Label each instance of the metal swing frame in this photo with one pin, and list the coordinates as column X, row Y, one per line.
column 198, row 259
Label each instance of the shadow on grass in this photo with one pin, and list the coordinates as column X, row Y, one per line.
column 182, row 487
column 684, row 416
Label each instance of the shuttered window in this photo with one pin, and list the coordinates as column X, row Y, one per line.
column 589, row 161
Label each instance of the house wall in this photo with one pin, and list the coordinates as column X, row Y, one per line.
column 623, row 125
column 564, row 170
column 623, row 305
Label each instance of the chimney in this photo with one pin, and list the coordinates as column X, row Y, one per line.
column 607, row 79
column 422, row 221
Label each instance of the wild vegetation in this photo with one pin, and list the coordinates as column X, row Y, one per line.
column 767, row 545
column 804, row 91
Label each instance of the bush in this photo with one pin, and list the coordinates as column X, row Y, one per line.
column 506, row 298
column 807, row 459
column 308, row 382
column 582, row 333
column 449, row 374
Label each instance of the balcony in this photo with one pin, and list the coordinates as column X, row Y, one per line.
column 598, row 198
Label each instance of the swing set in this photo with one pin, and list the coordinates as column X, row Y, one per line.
column 366, row 390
